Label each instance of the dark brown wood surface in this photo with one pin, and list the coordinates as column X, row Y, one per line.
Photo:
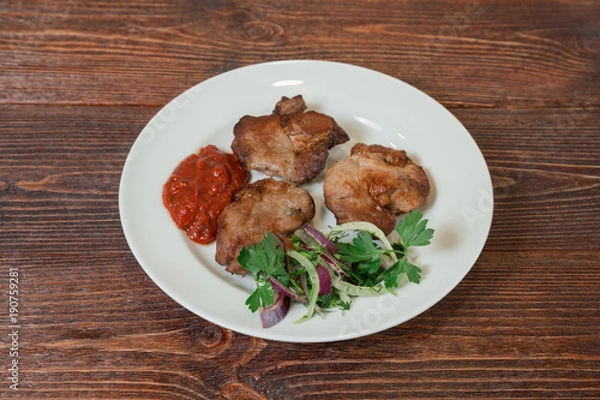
column 78, row 82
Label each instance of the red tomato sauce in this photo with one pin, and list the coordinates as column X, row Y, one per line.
column 199, row 189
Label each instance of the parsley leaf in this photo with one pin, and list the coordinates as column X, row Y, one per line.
column 413, row 273
column 413, row 230
column 362, row 249
column 262, row 296
column 392, row 275
column 263, row 260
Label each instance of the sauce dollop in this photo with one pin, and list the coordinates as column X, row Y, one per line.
column 199, row 189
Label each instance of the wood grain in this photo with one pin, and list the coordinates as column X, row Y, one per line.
column 79, row 81
column 52, row 54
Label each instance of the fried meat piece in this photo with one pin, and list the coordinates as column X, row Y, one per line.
column 265, row 205
column 374, row 184
column 291, row 142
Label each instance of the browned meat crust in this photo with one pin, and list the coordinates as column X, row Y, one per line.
column 374, row 184
column 263, row 206
column 290, row 142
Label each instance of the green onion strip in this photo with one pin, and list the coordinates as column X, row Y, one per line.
column 315, row 284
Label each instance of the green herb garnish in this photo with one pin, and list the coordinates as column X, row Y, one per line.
column 364, row 263
column 264, row 260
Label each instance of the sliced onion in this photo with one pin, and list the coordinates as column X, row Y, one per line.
column 313, row 293
column 324, row 280
column 333, row 264
column 306, row 247
column 280, row 240
column 280, row 287
column 306, row 239
column 360, row 291
column 321, row 239
column 273, row 314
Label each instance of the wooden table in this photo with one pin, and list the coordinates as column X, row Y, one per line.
column 79, row 81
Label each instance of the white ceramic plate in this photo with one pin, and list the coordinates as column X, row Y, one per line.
column 372, row 108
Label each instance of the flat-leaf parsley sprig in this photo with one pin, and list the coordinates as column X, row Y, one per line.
column 326, row 272
column 264, row 260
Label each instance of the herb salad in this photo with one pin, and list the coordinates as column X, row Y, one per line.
column 328, row 271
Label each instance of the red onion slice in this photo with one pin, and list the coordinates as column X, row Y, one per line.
column 319, row 237
column 273, row 314
column 333, row 264
column 280, row 287
column 324, row 280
